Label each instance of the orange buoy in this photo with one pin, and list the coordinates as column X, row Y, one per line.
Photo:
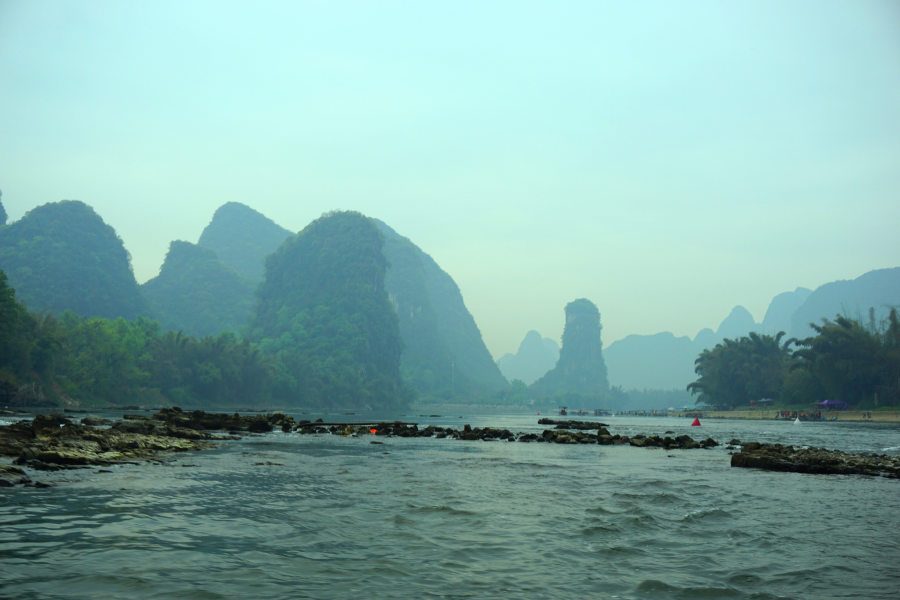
column 696, row 422
column 373, row 431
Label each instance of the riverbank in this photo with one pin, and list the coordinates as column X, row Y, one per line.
column 882, row 416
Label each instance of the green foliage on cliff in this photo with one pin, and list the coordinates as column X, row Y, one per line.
column 3, row 216
column 847, row 360
column 324, row 313
column 580, row 369
column 242, row 237
column 62, row 256
column 197, row 294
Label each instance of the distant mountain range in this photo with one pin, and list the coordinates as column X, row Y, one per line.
column 535, row 356
column 663, row 361
column 62, row 256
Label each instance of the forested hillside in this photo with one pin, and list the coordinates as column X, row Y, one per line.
column 197, row 294
column 242, row 238
column 324, row 312
column 62, row 256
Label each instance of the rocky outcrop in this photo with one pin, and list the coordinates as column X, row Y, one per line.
column 775, row 457
column 580, row 368
column 53, row 442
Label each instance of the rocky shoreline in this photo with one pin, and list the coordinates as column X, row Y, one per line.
column 54, row 442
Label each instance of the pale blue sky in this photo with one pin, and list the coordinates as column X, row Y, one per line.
column 666, row 160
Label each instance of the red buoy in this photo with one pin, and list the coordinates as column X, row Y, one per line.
column 696, row 422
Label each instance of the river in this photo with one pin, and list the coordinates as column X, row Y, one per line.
column 300, row 516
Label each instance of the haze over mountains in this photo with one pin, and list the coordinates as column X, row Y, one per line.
column 663, row 361
column 535, row 356
column 198, row 294
column 206, row 288
column 62, row 256
column 242, row 238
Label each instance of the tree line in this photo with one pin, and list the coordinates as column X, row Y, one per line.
column 324, row 334
column 851, row 360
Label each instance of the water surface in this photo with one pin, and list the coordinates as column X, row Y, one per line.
column 294, row 516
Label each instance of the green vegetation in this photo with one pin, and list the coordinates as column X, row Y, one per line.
column 2, row 212
column 579, row 378
column 846, row 360
column 738, row 371
column 242, row 238
column 46, row 359
column 323, row 312
column 62, row 256
column 197, row 294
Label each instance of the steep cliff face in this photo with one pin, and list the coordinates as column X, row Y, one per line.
column 426, row 363
column 445, row 353
column 63, row 256
column 195, row 293
column 581, row 368
column 242, row 238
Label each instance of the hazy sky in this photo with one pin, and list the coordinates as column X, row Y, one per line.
column 667, row 160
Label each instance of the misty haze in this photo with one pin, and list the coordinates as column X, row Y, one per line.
column 458, row 300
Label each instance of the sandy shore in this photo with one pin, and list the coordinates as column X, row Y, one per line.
column 841, row 415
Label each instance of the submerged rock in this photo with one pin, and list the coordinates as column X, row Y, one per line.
column 775, row 457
